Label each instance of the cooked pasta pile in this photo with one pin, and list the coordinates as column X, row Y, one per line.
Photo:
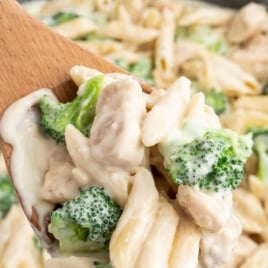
column 224, row 54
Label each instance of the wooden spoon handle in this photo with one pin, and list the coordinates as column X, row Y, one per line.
column 33, row 56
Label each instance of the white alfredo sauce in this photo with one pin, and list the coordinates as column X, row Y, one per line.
column 32, row 152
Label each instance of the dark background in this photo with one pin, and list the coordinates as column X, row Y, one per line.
column 236, row 3
column 232, row 3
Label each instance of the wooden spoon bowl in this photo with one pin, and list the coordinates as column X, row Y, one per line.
column 33, row 56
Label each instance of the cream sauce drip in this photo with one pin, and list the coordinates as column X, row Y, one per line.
column 31, row 157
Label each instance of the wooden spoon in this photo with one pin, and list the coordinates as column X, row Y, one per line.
column 33, row 56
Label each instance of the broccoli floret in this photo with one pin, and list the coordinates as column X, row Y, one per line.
column 260, row 139
column 181, row 32
column 86, row 223
column 37, row 243
column 7, row 196
column 204, row 35
column 141, row 69
column 217, row 100
column 62, row 17
column 213, row 161
column 101, row 265
column 55, row 116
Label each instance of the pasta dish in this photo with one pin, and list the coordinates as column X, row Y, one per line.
column 175, row 177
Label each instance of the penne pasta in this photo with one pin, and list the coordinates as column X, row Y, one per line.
column 135, row 223
column 185, row 249
column 158, row 243
column 164, row 109
column 75, row 28
column 164, row 44
column 249, row 211
column 256, row 103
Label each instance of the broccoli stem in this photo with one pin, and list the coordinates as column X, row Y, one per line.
column 55, row 116
column 262, row 172
column 260, row 139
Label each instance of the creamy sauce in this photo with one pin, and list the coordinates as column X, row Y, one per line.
column 180, row 135
column 32, row 152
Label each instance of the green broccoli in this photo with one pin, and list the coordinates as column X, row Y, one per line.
column 101, row 265
column 86, row 223
column 89, row 37
column 217, row 100
column 141, row 69
column 260, row 139
column 55, row 116
column 204, row 35
column 37, row 243
column 61, row 17
column 265, row 89
column 7, row 195
column 213, row 161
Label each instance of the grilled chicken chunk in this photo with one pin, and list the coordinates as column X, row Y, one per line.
column 115, row 137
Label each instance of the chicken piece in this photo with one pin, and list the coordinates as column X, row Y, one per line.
column 217, row 247
column 88, row 171
column 59, row 185
column 115, row 138
column 243, row 249
column 250, row 20
column 209, row 210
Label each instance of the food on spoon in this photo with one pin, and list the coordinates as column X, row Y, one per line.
column 80, row 112
column 214, row 161
column 85, row 223
column 94, row 191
